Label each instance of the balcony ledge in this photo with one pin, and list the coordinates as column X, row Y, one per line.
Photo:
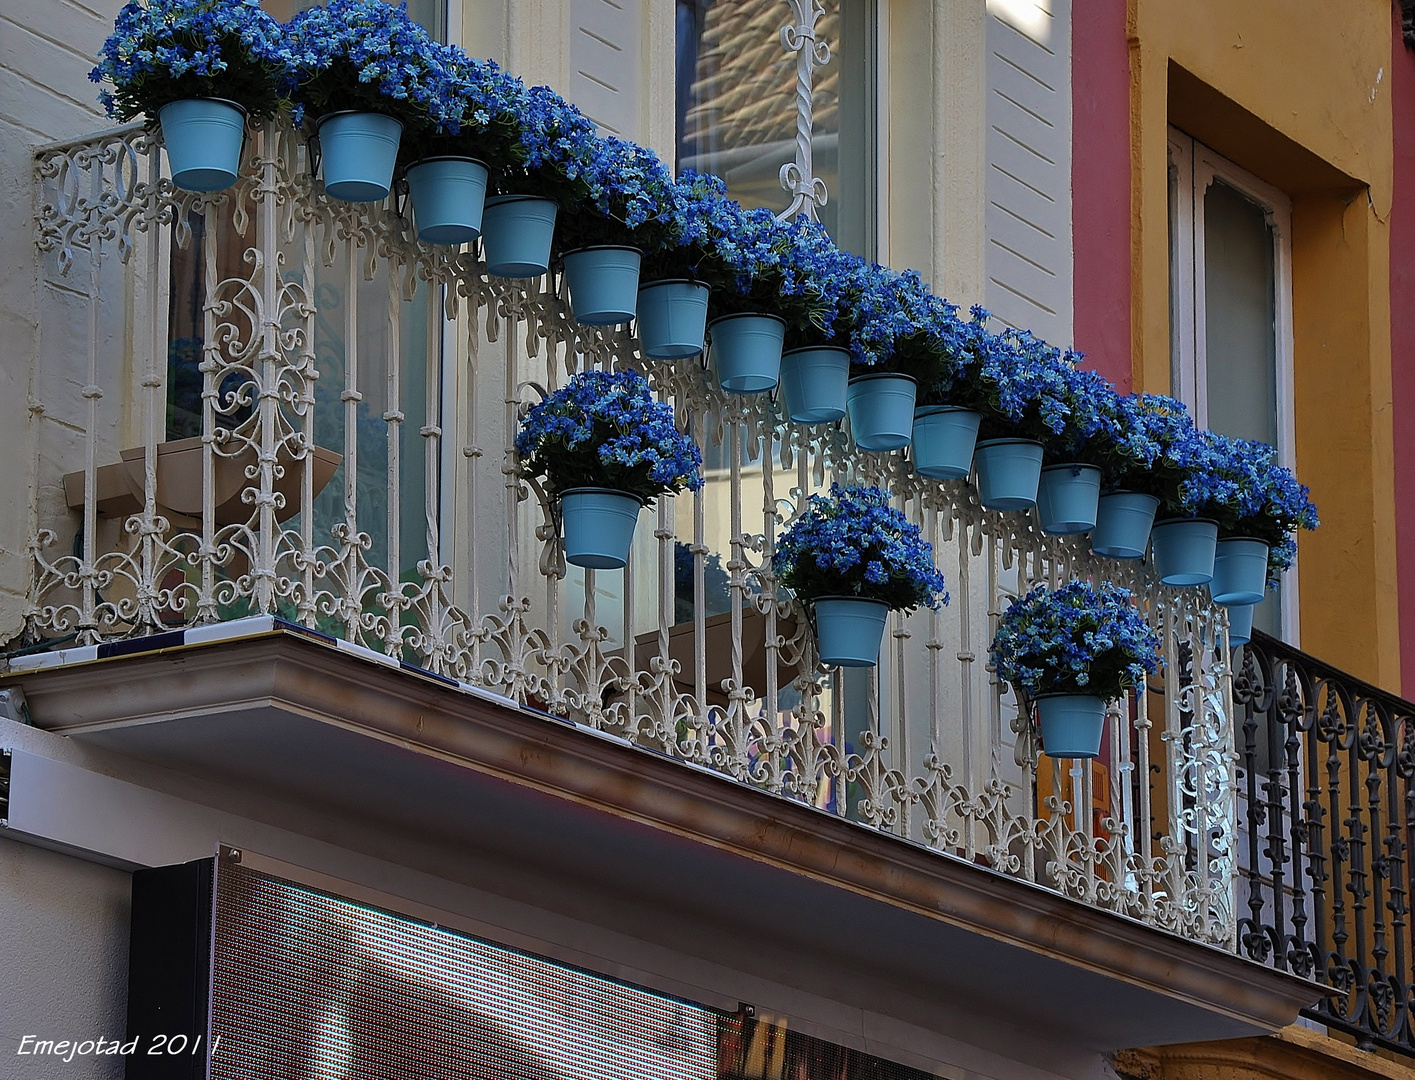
column 288, row 713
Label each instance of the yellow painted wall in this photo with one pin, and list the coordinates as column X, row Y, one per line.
column 1295, row 91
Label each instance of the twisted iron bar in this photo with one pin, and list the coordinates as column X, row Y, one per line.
column 807, row 190
column 1326, row 774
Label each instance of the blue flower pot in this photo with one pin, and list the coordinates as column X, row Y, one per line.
column 1240, row 624
column 1123, row 523
column 357, row 153
column 599, row 526
column 672, row 318
column 944, row 437
column 516, row 233
column 849, row 630
column 747, row 351
column 1184, row 550
column 448, row 194
column 1009, row 471
column 203, row 137
column 1068, row 498
column 814, row 382
column 881, row 408
column 1072, row 725
column 604, row 284
column 1240, row 572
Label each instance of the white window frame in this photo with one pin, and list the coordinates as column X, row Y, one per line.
column 1198, row 167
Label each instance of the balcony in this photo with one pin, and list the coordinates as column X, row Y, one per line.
column 1327, row 762
column 274, row 410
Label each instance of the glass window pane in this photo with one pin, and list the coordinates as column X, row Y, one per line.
column 736, row 106
column 1240, row 316
column 431, row 13
column 1240, row 332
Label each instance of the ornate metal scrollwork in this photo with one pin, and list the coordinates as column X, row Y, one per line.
column 928, row 748
column 807, row 190
column 1327, row 767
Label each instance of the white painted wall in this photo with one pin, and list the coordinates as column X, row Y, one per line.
column 64, row 951
column 46, row 50
column 1027, row 220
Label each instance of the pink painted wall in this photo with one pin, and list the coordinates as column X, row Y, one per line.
column 1402, row 339
column 1100, row 187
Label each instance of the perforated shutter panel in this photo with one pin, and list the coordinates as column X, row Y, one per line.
column 605, row 66
column 1028, row 185
column 309, row 985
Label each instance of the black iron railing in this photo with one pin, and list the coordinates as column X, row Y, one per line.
column 1329, row 807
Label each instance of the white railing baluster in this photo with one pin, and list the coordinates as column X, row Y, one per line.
column 929, row 743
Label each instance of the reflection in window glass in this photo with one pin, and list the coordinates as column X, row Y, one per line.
column 736, row 106
column 431, row 13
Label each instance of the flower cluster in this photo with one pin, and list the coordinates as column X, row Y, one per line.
column 1077, row 639
column 365, row 55
column 369, row 55
column 474, row 112
column 1025, row 386
column 1146, row 434
column 606, row 429
column 1239, row 483
column 628, row 199
column 163, row 51
column 853, row 543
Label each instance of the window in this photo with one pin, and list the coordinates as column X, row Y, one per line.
column 737, row 107
column 1231, row 315
column 431, row 13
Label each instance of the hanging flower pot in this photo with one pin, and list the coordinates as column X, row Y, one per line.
column 672, row 318
column 1240, row 571
column 357, row 153
column 203, row 137
column 1184, row 550
column 1072, row 725
column 448, row 195
column 604, row 283
column 1068, row 651
column 1068, row 498
column 746, row 349
column 944, row 438
column 516, row 234
column 814, row 382
column 599, row 526
column 851, row 557
column 1240, row 624
column 1009, row 471
column 608, row 446
column 881, row 408
column 1123, row 522
column 849, row 630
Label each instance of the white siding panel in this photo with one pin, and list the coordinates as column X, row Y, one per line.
column 1028, row 181
column 605, row 62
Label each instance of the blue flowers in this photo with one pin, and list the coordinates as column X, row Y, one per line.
column 1077, row 639
column 369, row 55
column 364, row 55
column 606, row 429
column 854, row 543
column 171, row 50
column 1239, row 484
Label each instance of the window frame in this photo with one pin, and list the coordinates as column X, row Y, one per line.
column 1198, row 167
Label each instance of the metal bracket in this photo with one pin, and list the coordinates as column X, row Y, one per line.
column 807, row 190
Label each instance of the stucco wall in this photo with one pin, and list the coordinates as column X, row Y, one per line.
column 46, row 51
column 64, row 951
column 1299, row 94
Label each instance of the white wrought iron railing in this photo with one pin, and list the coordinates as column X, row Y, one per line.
column 237, row 386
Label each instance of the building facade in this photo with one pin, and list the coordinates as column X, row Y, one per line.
column 310, row 730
